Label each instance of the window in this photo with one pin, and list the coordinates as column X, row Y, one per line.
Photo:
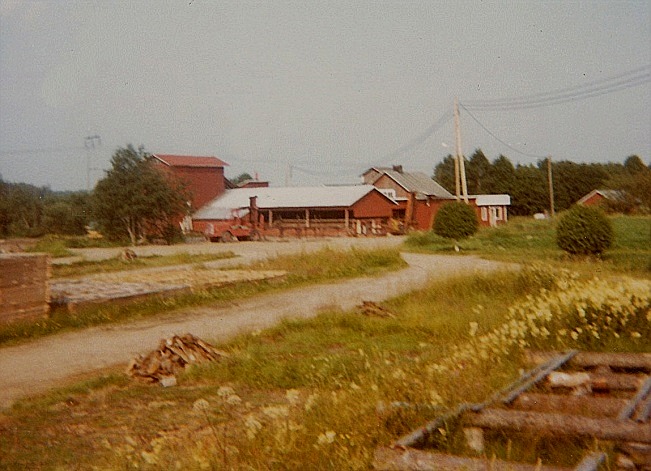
column 484, row 213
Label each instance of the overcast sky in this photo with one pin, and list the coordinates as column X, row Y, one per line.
column 326, row 88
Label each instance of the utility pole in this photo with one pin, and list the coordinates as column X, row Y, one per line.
column 459, row 162
column 89, row 144
column 551, row 186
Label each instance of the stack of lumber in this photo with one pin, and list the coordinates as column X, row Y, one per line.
column 24, row 289
column 172, row 356
column 371, row 309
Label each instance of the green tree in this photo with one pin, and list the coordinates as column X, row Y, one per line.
column 242, row 177
column 477, row 171
column 634, row 165
column 136, row 200
column 529, row 193
column 501, row 177
column 66, row 213
column 584, row 230
column 573, row 181
column 444, row 173
column 21, row 209
column 456, row 221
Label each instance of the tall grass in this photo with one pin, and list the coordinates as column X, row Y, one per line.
column 310, row 394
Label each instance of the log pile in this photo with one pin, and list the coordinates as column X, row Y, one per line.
column 171, row 357
column 24, row 288
column 371, row 309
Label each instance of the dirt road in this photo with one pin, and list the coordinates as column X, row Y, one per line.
column 37, row 366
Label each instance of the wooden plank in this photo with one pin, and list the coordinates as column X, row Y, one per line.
column 550, row 366
column 642, row 392
column 578, row 405
column 560, row 424
column 630, row 361
column 411, row 459
column 508, row 394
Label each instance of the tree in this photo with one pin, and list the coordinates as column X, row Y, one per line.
column 477, row 172
column 242, row 177
column 573, row 181
column 456, row 221
column 135, row 199
column 66, row 213
column 584, row 230
column 444, row 173
column 501, row 177
column 634, row 165
column 529, row 191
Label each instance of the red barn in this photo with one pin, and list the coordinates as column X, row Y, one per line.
column 418, row 196
column 319, row 211
column 599, row 197
column 204, row 176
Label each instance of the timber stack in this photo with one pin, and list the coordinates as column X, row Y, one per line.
column 24, row 287
column 171, row 357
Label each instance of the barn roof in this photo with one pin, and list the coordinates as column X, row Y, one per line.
column 286, row 198
column 190, row 161
column 613, row 195
column 414, row 182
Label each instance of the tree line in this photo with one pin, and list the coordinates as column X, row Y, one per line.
column 134, row 200
column 528, row 185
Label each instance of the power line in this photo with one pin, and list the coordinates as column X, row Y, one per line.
column 613, row 84
column 500, row 140
column 420, row 139
column 41, row 151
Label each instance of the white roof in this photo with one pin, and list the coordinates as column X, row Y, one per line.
column 287, row 197
column 493, row 200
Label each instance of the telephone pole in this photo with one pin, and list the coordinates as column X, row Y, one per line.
column 551, row 186
column 459, row 164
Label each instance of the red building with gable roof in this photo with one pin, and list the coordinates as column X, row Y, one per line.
column 203, row 176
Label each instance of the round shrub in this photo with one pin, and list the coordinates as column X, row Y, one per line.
column 584, row 231
column 456, row 221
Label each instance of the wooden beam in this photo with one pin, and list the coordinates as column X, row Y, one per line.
column 578, row 405
column 411, row 459
column 559, row 424
column 628, row 361
column 643, row 392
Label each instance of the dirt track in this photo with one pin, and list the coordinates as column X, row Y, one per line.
column 37, row 366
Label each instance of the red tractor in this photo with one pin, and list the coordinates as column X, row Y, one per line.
column 238, row 227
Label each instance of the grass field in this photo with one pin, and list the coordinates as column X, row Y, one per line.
column 524, row 240
column 324, row 393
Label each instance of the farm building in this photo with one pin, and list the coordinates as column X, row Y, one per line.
column 599, row 197
column 301, row 211
column 204, row 176
column 492, row 210
column 418, row 196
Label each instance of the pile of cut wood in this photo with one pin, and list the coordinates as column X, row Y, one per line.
column 172, row 356
column 371, row 309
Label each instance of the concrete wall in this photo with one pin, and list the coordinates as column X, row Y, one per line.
column 24, row 289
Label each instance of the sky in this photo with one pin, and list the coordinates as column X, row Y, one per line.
column 312, row 92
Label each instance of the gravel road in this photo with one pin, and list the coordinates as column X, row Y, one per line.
column 37, row 366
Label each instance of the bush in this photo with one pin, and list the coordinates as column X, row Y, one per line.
column 456, row 221
column 584, row 231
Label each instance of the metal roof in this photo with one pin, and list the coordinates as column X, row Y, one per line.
column 286, row 198
column 492, row 200
column 415, row 182
column 190, row 161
